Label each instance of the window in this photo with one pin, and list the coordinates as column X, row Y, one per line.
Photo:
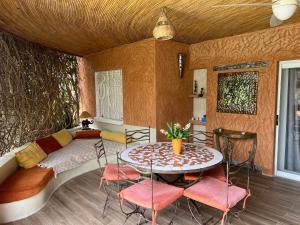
column 109, row 96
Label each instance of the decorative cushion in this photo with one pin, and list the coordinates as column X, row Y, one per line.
column 141, row 194
column 213, row 192
column 30, row 156
column 125, row 172
column 48, row 144
column 63, row 137
column 114, row 136
column 87, row 134
column 24, row 183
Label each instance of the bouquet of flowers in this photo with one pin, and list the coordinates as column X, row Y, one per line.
column 176, row 131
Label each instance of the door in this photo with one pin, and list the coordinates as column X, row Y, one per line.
column 288, row 129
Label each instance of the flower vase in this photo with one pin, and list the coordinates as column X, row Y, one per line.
column 177, row 146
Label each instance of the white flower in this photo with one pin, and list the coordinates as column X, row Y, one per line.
column 177, row 125
column 187, row 126
column 163, row 132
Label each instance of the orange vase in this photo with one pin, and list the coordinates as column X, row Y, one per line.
column 177, row 146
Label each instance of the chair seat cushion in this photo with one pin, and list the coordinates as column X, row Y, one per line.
column 141, row 194
column 24, row 183
column 125, row 172
column 217, row 172
column 213, row 192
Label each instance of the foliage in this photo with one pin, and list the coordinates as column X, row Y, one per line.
column 237, row 92
column 176, row 131
column 38, row 92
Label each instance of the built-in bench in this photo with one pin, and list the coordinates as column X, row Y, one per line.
column 25, row 191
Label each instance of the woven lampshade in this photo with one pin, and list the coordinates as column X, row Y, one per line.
column 163, row 29
column 85, row 114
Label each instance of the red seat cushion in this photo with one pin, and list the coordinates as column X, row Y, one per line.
column 125, row 172
column 217, row 172
column 213, row 192
column 48, row 144
column 141, row 194
column 86, row 134
column 24, row 183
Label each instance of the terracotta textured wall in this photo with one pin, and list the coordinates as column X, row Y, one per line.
column 172, row 102
column 271, row 45
column 87, row 87
column 137, row 62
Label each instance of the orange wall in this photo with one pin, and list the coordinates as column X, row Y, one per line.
column 153, row 92
column 137, row 62
column 172, row 102
column 271, row 45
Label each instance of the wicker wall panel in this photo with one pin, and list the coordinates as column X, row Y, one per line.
column 38, row 92
column 87, row 26
column 270, row 45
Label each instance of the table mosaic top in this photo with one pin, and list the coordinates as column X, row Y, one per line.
column 194, row 158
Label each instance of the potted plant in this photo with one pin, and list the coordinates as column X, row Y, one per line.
column 177, row 133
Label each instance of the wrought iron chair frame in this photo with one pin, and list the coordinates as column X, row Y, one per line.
column 209, row 139
column 248, row 165
column 138, row 209
column 139, row 135
column 100, row 152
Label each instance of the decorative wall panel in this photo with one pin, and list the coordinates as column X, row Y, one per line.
column 237, row 92
column 109, row 95
column 38, row 92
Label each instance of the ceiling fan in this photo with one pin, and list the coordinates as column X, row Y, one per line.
column 282, row 9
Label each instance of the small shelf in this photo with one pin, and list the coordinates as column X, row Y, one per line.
column 197, row 122
column 195, row 96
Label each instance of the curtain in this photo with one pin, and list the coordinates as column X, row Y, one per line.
column 292, row 148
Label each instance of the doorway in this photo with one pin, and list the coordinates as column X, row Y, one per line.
column 287, row 157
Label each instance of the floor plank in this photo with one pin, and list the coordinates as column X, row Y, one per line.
column 274, row 201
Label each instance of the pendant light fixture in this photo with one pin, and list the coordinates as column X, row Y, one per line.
column 163, row 29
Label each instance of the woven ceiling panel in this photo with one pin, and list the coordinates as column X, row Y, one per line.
column 87, row 26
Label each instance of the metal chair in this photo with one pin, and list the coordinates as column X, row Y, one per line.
column 208, row 139
column 202, row 137
column 148, row 194
column 141, row 135
column 207, row 191
column 109, row 172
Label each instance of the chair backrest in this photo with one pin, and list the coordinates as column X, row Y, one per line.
column 203, row 137
column 144, row 175
column 100, row 151
column 140, row 135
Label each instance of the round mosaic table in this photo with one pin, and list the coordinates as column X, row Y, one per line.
column 195, row 158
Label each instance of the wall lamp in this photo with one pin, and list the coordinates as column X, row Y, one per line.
column 181, row 60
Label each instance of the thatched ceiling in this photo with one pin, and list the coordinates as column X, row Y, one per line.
column 87, row 26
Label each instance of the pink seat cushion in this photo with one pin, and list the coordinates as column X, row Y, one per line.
column 213, row 192
column 125, row 172
column 217, row 172
column 141, row 194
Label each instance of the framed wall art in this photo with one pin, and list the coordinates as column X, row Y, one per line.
column 237, row 92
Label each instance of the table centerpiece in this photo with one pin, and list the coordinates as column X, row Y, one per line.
column 176, row 133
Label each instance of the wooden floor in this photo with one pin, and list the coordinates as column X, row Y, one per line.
column 79, row 201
